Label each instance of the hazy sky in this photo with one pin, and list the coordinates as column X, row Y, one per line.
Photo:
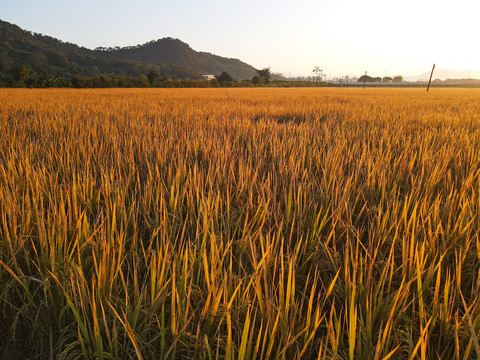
column 342, row 37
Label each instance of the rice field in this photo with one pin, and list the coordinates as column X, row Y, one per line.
column 239, row 224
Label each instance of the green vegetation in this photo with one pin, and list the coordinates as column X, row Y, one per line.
column 367, row 78
column 225, row 79
column 174, row 51
column 49, row 57
column 23, row 77
column 264, row 75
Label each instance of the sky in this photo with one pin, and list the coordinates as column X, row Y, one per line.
column 342, row 37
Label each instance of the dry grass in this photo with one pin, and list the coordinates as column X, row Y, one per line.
column 240, row 224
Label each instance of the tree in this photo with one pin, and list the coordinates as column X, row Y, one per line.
column 369, row 79
column 142, row 81
column 79, row 81
column 397, row 78
column 318, row 73
column 387, row 79
column 265, row 75
column 256, row 80
column 102, row 81
column 152, row 76
column 225, row 79
column 20, row 74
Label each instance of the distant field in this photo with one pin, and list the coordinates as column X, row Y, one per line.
column 240, row 224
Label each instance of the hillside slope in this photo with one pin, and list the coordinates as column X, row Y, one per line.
column 172, row 58
column 174, row 51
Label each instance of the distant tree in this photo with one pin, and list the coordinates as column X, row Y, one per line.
column 33, row 79
column 20, row 74
column 102, row 81
column 265, row 75
column 79, row 81
column 278, row 76
column 214, row 83
column 256, row 80
column 367, row 78
column 44, row 80
column 122, row 81
column 386, row 79
column 225, row 79
column 397, row 79
column 318, row 73
column 363, row 78
column 142, row 81
column 152, row 76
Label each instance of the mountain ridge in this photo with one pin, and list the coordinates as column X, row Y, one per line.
column 172, row 58
column 170, row 50
column 445, row 74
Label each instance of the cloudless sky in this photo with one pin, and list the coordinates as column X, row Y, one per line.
column 341, row 36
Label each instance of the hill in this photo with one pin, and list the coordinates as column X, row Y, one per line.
column 174, row 51
column 444, row 74
column 172, row 58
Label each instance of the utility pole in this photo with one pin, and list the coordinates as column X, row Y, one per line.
column 431, row 74
column 364, row 79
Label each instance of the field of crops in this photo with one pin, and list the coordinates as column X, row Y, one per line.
column 240, row 224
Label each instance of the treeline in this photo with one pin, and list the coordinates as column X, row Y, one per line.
column 46, row 80
column 386, row 79
column 24, row 77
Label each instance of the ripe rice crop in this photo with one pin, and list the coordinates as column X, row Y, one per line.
column 240, row 224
